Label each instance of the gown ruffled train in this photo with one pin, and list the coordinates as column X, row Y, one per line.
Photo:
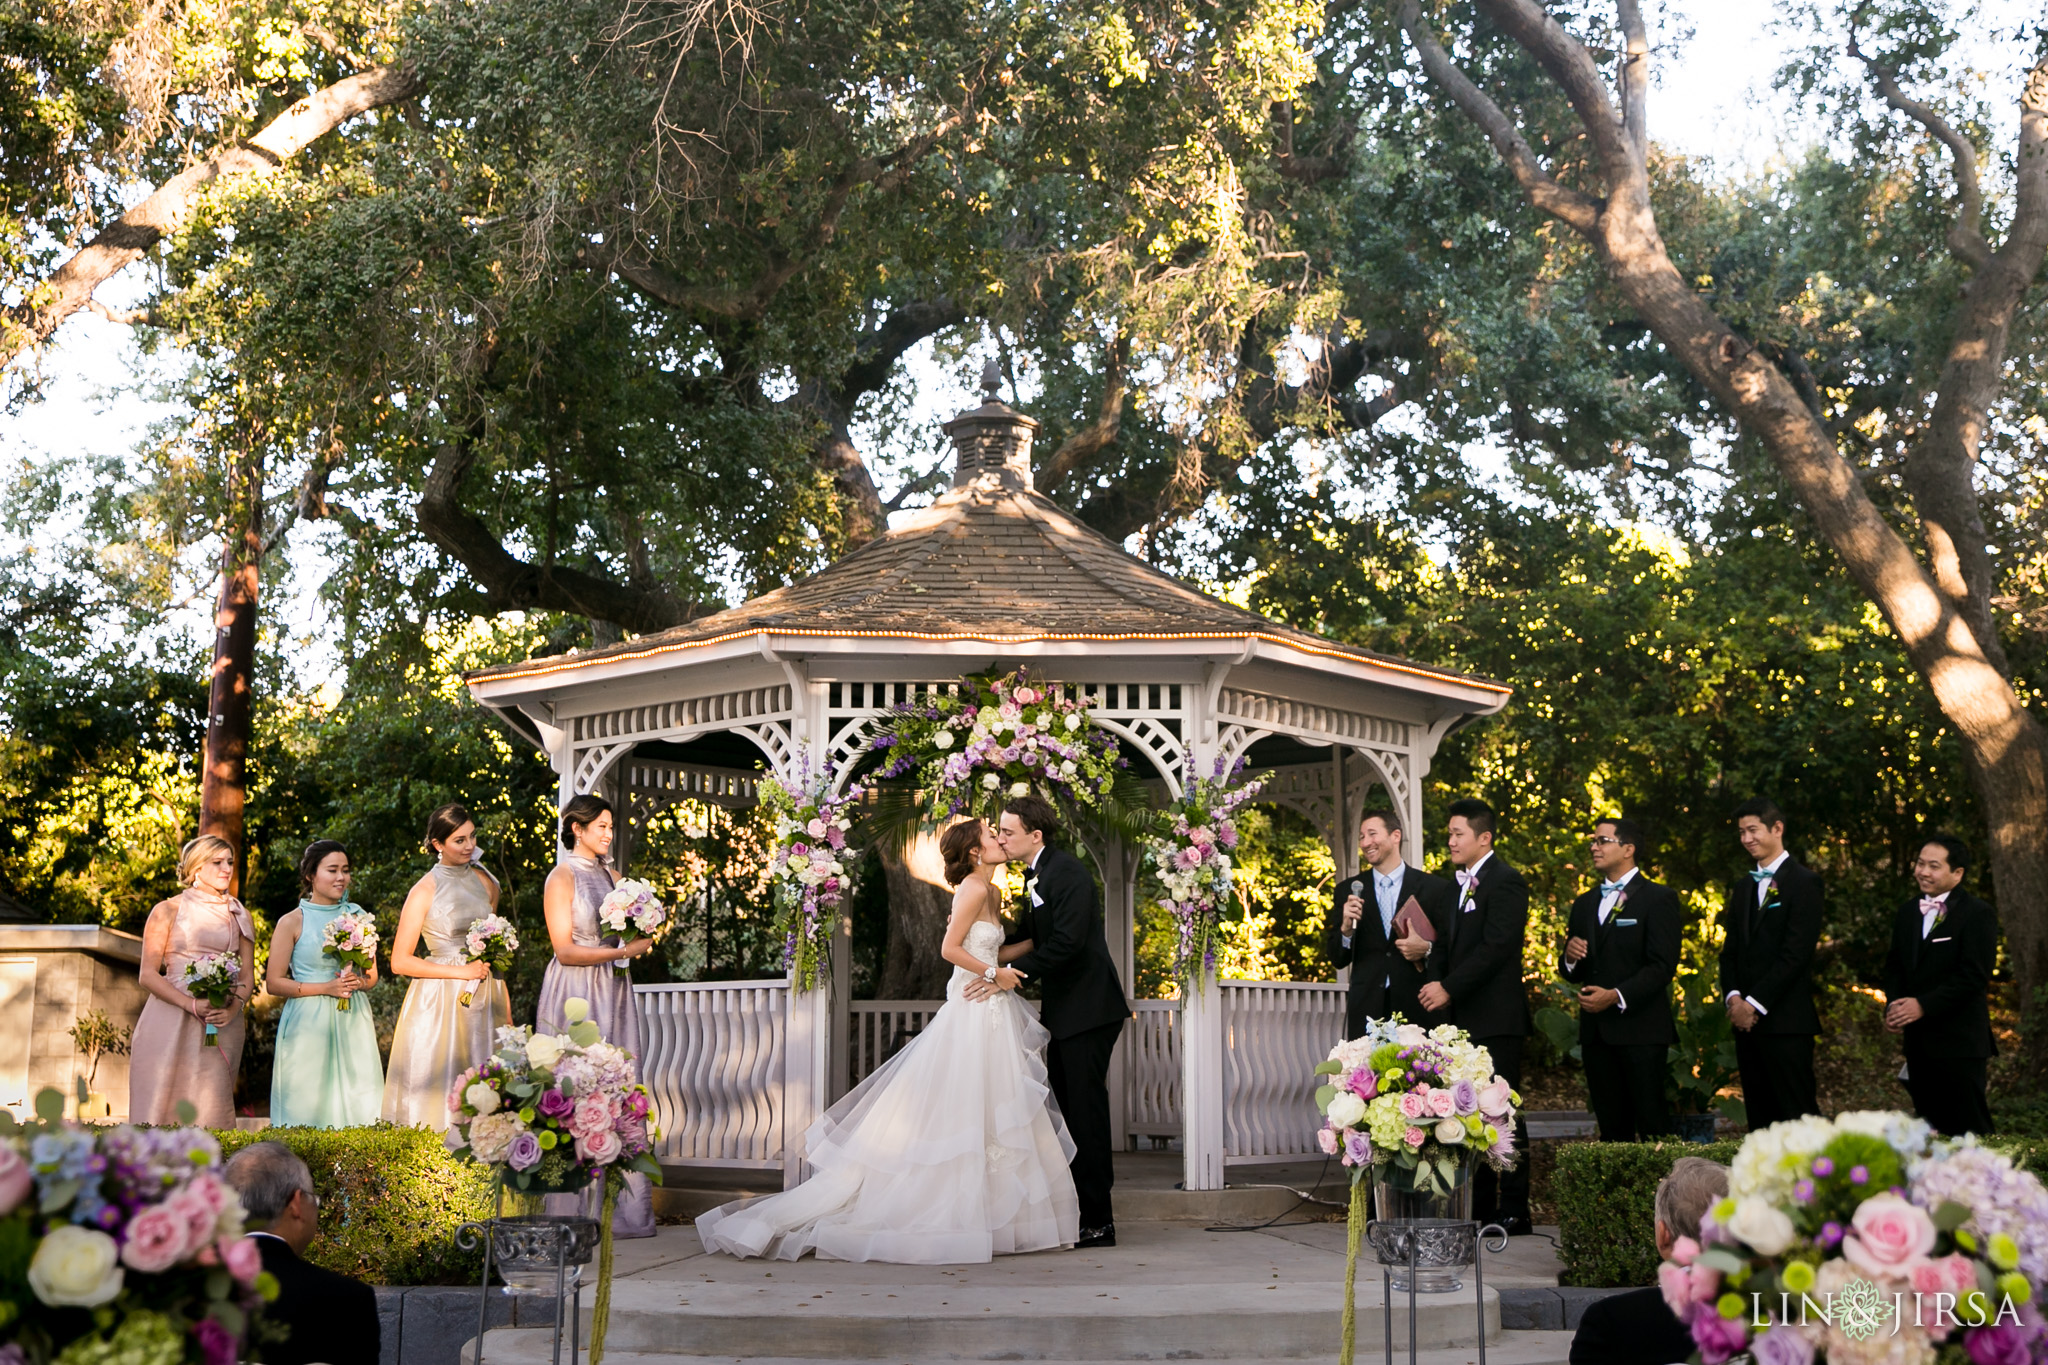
column 949, row 1153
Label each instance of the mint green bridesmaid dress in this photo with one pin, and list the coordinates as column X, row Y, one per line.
column 328, row 1073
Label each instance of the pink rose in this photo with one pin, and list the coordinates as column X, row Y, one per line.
column 599, row 1149
column 1026, row 695
column 1326, row 1138
column 1951, row 1274
column 156, row 1239
column 15, row 1179
column 1414, row 1137
column 1685, row 1251
column 1676, row 1286
column 1706, row 1283
column 190, row 1205
column 1890, row 1236
column 1414, row 1106
column 1493, row 1098
column 242, row 1258
column 1718, row 1337
column 593, row 1115
column 1442, row 1103
column 1364, row 1083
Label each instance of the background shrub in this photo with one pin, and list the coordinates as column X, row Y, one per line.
column 391, row 1200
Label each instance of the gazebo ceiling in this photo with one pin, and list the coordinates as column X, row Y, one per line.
column 991, row 562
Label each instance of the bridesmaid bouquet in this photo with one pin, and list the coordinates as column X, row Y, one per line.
column 352, row 941
column 490, row 940
column 121, row 1244
column 630, row 909
column 211, row 977
column 550, row 1112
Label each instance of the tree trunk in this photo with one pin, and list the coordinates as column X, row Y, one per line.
column 223, row 784
column 919, row 904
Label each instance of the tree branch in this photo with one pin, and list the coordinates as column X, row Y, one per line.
column 1571, row 66
column 509, row 583
column 1965, row 234
column 1085, row 444
column 1578, row 211
column 122, row 242
column 1634, row 77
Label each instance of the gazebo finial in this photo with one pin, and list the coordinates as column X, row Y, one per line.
column 993, row 441
column 991, row 382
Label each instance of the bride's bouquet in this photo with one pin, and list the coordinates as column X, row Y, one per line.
column 491, row 940
column 630, row 908
column 211, row 977
column 352, row 941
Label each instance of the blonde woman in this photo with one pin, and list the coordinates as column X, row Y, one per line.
column 170, row 1060
column 438, row 1037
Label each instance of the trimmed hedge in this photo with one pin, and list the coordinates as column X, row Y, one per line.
column 1606, row 1196
column 391, row 1200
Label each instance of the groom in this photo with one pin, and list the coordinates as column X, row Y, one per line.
column 1081, row 1001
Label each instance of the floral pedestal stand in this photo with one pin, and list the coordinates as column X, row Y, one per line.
column 534, row 1252
column 1411, row 1243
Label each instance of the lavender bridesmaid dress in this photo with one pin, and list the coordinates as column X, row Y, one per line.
column 610, row 994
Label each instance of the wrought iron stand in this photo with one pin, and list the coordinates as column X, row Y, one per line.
column 1401, row 1241
column 537, row 1246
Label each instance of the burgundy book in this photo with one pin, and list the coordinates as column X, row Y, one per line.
column 1410, row 919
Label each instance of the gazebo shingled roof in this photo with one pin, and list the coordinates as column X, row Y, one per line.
column 992, row 559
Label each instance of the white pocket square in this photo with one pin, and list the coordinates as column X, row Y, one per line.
column 1036, row 899
column 1950, row 939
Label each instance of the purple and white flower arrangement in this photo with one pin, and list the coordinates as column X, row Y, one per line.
column 1861, row 1239
column 1422, row 1105
column 808, row 871
column 631, row 908
column 1192, row 853
column 136, row 1227
column 999, row 736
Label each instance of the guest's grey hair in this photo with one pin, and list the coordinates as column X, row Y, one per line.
column 1683, row 1197
column 266, row 1175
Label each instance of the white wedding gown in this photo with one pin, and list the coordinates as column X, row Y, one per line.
column 950, row 1153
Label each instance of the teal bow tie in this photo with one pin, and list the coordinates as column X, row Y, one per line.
column 1609, row 888
column 1760, row 876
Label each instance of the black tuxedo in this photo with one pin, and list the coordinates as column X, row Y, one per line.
column 1767, row 957
column 332, row 1319
column 1082, row 1004
column 1949, row 973
column 1383, row 983
column 1479, row 961
column 1623, row 1047
column 1635, row 1328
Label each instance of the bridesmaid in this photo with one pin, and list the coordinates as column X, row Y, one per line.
column 170, row 1059
column 583, row 966
column 328, row 1072
column 438, row 1037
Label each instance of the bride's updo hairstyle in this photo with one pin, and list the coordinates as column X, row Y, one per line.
column 958, row 846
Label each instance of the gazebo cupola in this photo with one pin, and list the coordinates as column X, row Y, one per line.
column 994, row 573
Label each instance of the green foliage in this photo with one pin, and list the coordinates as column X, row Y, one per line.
column 1606, row 1194
column 1703, row 1058
column 391, row 1200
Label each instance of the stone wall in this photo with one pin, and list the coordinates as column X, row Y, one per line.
column 75, row 969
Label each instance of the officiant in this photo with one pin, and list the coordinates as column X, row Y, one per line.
column 1362, row 932
column 1620, row 953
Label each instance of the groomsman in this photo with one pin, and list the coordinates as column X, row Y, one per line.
column 1361, row 935
column 1621, row 951
column 1944, row 942
column 1770, row 925
column 1475, row 972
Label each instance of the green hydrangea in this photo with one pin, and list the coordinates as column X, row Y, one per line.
column 141, row 1339
column 1383, row 1119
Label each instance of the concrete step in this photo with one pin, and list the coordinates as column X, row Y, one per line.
column 1097, row 1321
column 1512, row 1348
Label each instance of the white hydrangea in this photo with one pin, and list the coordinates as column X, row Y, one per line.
column 1767, row 1166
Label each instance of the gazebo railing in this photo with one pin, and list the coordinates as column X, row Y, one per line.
column 1274, row 1035
column 714, row 1061
column 879, row 1029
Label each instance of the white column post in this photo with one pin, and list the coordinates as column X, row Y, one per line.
column 838, row 1055
column 807, row 1079
column 1119, row 927
column 1201, row 1020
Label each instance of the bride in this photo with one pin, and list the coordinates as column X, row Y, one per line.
column 953, row 1150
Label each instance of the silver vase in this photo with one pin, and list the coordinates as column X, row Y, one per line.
column 1436, row 1228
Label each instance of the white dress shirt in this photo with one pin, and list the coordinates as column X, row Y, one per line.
column 1763, row 890
column 1609, row 900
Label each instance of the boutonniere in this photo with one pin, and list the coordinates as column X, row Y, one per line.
column 1771, row 896
column 1940, row 917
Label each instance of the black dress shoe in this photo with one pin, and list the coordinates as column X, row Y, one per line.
column 1096, row 1237
column 1516, row 1226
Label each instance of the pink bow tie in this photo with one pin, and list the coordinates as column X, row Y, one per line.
column 1930, row 905
column 1466, row 878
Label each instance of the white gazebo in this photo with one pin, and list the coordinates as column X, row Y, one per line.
column 991, row 574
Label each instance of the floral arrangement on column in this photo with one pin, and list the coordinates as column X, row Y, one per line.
column 121, row 1244
column 1190, row 850
column 808, row 869
column 999, row 736
column 551, row 1112
column 1419, row 1105
column 1861, row 1240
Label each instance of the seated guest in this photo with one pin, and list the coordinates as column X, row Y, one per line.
column 332, row 1319
column 1637, row 1328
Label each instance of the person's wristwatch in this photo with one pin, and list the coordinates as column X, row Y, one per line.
column 989, row 976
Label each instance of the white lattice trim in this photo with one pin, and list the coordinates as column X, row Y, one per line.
column 673, row 719
column 591, row 764
column 1310, row 722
